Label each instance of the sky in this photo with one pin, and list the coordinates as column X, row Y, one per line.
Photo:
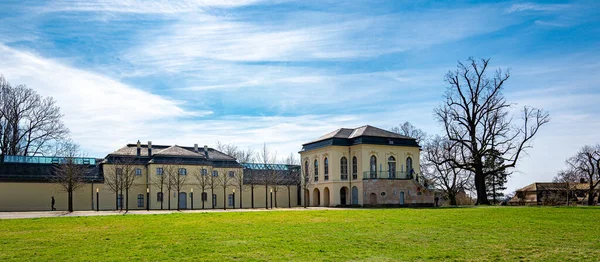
column 283, row 72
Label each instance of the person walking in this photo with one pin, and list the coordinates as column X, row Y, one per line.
column 53, row 208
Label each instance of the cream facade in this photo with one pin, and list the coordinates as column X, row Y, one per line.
column 32, row 190
column 366, row 166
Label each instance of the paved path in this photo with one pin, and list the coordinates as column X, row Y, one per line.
column 34, row 214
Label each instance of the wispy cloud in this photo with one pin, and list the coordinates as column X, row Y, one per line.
column 521, row 7
column 144, row 6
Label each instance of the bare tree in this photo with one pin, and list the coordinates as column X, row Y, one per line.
column 293, row 175
column 70, row 173
column 242, row 156
column 177, row 177
column 125, row 169
column 203, row 182
column 161, row 181
column 476, row 119
column 213, row 182
column 29, row 123
column 307, row 178
column 407, row 129
column 225, row 181
column 450, row 179
column 267, row 158
column 586, row 164
column 115, row 184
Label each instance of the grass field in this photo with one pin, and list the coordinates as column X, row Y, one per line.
column 525, row 233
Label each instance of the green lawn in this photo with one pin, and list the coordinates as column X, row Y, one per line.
column 511, row 233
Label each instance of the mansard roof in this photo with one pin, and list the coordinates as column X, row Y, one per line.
column 361, row 135
column 162, row 154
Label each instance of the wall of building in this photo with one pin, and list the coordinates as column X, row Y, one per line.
column 329, row 192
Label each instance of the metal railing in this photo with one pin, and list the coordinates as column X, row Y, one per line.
column 387, row 175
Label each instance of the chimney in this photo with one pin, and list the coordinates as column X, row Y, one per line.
column 139, row 148
column 206, row 150
column 196, row 148
column 149, row 148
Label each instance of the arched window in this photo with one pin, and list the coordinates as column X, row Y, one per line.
column 306, row 170
column 326, row 169
column 373, row 167
column 316, row 170
column 344, row 168
column 354, row 168
column 391, row 167
column 409, row 167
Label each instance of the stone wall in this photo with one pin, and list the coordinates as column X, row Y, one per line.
column 390, row 192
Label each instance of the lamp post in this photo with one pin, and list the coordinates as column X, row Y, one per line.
column 233, row 198
column 271, row 198
column 192, row 198
column 147, row 199
column 97, row 199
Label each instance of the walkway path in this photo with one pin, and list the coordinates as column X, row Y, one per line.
column 38, row 214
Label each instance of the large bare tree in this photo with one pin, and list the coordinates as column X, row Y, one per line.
column 450, row 179
column 70, row 173
column 29, row 122
column 407, row 129
column 293, row 176
column 242, row 156
column 586, row 164
column 213, row 182
column 476, row 118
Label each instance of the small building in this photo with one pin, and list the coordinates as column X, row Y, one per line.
column 551, row 193
column 364, row 166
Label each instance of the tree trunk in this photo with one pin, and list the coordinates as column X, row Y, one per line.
column 126, row 200
column 224, row 198
column 481, row 191
column 70, row 195
column 266, row 196
column 169, row 204
column 241, row 197
column 177, row 200
column 116, row 200
column 252, row 195
column 275, row 195
column 289, row 198
column 591, row 193
column 452, row 198
column 202, row 198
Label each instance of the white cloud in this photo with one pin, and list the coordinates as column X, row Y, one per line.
column 536, row 7
column 99, row 111
column 144, row 6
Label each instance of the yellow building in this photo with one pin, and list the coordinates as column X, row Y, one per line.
column 142, row 176
column 364, row 166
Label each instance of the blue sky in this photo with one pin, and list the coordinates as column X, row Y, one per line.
column 285, row 72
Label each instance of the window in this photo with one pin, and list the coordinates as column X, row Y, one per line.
column 140, row 200
column 138, row 172
column 373, row 167
column 409, row 167
column 230, row 200
column 159, row 197
column 159, row 171
column 204, row 196
column 326, row 166
column 231, row 174
column 182, row 171
column 354, row 168
column 215, row 173
column 344, row 168
column 204, row 172
column 391, row 167
column 316, row 170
